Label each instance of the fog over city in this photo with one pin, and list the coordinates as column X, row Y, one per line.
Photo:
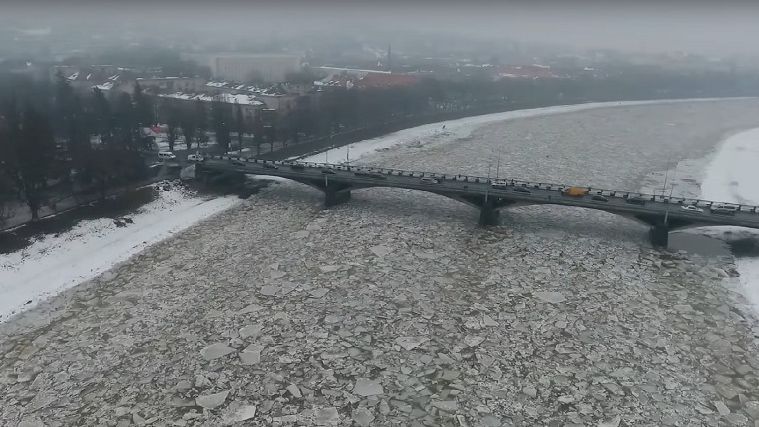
column 703, row 27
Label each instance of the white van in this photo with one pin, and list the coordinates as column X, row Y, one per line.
column 166, row 155
column 721, row 209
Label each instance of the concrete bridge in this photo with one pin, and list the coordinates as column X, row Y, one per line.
column 336, row 181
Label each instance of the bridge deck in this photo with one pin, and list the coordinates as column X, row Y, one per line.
column 654, row 208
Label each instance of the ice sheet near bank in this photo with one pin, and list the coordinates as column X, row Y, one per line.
column 732, row 176
column 56, row 262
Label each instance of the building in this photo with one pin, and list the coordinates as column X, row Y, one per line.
column 270, row 68
column 250, row 105
column 281, row 96
column 350, row 78
column 383, row 81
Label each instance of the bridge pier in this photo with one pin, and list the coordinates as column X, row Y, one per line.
column 659, row 235
column 489, row 214
column 333, row 197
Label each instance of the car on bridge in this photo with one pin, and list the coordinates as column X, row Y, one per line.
column 600, row 198
column 297, row 166
column 575, row 191
column 429, row 180
column 635, row 200
column 500, row 183
column 270, row 166
column 328, row 171
column 692, row 208
column 369, row 175
column 722, row 209
column 522, row 190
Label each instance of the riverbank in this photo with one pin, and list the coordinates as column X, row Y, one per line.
column 733, row 175
column 52, row 263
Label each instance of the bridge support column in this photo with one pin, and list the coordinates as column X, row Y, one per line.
column 489, row 215
column 659, row 235
column 333, row 197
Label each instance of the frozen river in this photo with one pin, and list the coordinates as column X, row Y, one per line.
column 396, row 309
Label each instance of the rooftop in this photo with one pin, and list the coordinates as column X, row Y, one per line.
column 274, row 90
column 228, row 98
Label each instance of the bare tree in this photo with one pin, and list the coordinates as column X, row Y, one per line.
column 172, row 125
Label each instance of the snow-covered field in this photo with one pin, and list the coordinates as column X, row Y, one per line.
column 733, row 176
column 56, row 262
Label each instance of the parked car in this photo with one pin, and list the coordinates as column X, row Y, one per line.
column 692, row 208
column 195, row 157
column 429, row 180
column 166, row 155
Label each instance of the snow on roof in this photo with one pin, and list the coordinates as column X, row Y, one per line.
column 104, row 86
column 268, row 91
column 227, row 98
column 74, row 76
column 352, row 70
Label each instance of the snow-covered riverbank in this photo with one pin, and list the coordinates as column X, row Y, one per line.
column 732, row 176
column 57, row 262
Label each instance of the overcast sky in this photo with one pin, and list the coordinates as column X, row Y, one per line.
column 708, row 27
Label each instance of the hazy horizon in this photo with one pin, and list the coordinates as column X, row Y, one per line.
column 700, row 27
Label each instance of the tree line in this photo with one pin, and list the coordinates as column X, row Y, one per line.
column 52, row 139
column 194, row 120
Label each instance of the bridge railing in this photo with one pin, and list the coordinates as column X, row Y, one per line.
column 490, row 180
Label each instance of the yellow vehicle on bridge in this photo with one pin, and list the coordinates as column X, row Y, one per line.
column 575, row 191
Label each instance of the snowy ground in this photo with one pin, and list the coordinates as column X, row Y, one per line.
column 732, row 176
column 57, row 262
column 396, row 309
